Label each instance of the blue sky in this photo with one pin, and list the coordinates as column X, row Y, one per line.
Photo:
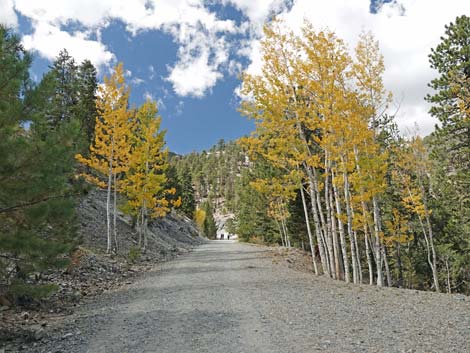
column 187, row 54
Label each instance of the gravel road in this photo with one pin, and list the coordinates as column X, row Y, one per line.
column 227, row 297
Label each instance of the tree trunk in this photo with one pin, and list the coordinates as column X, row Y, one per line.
column 286, row 235
column 338, row 263
column 116, row 247
column 387, row 268
column 365, row 226
column 145, row 229
column 399, row 265
column 309, row 231
column 280, row 233
column 358, row 256
column 108, row 212
column 316, row 222
column 328, row 231
column 377, row 247
column 342, row 237
column 369, row 260
column 349, row 227
column 139, row 228
column 449, row 291
column 433, row 251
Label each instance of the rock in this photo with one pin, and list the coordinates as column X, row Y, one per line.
column 37, row 333
column 67, row 335
column 24, row 315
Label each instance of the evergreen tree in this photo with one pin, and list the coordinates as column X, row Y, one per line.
column 87, row 86
column 36, row 166
column 188, row 203
column 209, row 227
column 65, row 94
column 450, row 145
column 451, row 98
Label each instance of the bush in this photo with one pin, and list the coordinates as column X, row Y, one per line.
column 134, row 254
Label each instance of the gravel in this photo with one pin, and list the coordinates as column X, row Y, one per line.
column 231, row 297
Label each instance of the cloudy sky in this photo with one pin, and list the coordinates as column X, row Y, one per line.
column 187, row 54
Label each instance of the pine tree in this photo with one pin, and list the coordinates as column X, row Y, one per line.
column 87, row 86
column 188, row 203
column 65, row 89
column 36, row 166
column 209, row 228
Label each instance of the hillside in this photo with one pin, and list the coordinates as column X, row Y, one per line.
column 93, row 272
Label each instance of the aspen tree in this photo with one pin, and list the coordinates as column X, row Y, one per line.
column 109, row 152
column 411, row 172
column 145, row 181
column 368, row 71
column 308, row 100
column 273, row 108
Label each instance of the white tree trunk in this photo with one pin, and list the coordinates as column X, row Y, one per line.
column 349, row 227
column 316, row 222
column 369, row 260
column 431, row 244
column 377, row 247
column 387, row 267
column 115, row 215
column 338, row 263
column 280, row 233
column 327, row 230
column 108, row 212
column 342, row 237
column 309, row 231
column 286, row 234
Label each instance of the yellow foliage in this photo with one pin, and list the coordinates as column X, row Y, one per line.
column 199, row 218
column 109, row 152
column 145, row 180
column 398, row 227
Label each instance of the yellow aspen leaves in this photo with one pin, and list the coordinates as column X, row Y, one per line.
column 109, row 152
column 144, row 184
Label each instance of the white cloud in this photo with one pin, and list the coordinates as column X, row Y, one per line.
column 7, row 14
column 179, row 108
column 406, row 30
column 185, row 20
column 257, row 10
column 148, row 96
column 49, row 40
column 151, row 72
column 201, row 59
column 194, row 77
column 137, row 81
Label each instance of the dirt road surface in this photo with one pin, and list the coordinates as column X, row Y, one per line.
column 228, row 297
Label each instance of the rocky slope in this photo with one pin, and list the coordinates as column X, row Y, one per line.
column 92, row 272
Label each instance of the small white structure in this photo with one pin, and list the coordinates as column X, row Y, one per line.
column 221, row 223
